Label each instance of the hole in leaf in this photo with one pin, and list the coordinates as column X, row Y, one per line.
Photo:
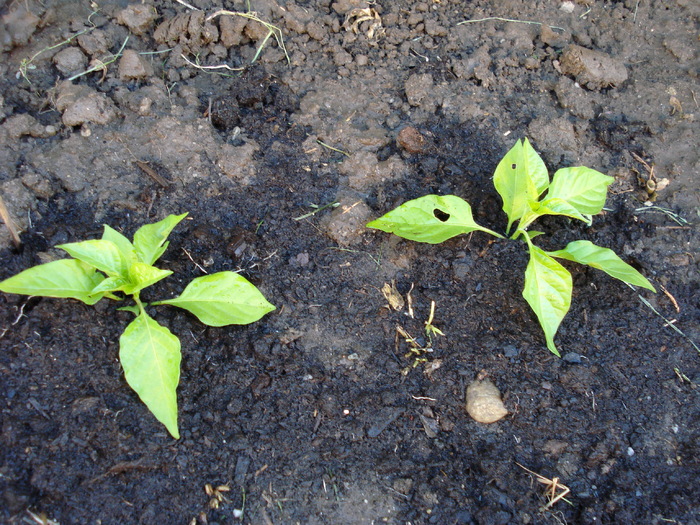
column 513, row 166
column 441, row 215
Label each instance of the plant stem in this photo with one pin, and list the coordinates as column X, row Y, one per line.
column 137, row 300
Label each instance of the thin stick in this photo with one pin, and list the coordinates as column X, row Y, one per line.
column 193, row 261
column 188, row 6
column 510, row 20
column 668, row 323
column 332, row 148
column 673, row 299
column 9, row 223
column 152, row 173
column 222, row 66
column 102, row 65
column 333, row 204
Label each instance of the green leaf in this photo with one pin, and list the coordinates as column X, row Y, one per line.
column 150, row 356
column 583, row 188
column 585, row 252
column 547, row 290
column 134, row 309
column 532, row 234
column 432, row 219
column 222, row 299
column 122, row 243
column 150, row 239
column 103, row 255
column 142, row 275
column 111, row 284
column 65, row 278
column 520, row 178
column 558, row 206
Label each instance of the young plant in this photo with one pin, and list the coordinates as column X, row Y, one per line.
column 521, row 178
column 149, row 353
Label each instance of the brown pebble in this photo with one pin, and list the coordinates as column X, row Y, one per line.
column 411, row 140
column 484, row 402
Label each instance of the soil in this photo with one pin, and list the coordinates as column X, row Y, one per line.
column 319, row 413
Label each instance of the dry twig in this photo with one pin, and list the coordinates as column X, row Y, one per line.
column 553, row 488
column 9, row 223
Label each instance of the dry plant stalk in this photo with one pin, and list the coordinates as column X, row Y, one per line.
column 552, row 488
column 9, row 223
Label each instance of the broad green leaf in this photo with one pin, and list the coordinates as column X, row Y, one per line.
column 432, row 219
column 547, row 290
column 222, row 299
column 150, row 357
column 150, row 239
column 520, row 178
column 583, row 188
column 66, row 278
column 111, row 284
column 103, row 255
column 121, row 242
column 142, row 275
column 585, row 252
column 558, row 206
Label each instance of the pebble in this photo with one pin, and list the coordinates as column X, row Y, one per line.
column 484, row 402
column 411, row 140
column 572, row 357
column 70, row 61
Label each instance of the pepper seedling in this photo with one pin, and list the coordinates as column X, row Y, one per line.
column 521, row 179
column 149, row 353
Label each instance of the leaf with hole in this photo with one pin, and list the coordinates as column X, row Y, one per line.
column 432, row 219
column 521, row 180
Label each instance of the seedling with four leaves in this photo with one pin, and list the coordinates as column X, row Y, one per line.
column 521, row 179
column 149, row 353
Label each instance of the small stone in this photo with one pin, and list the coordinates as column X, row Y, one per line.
column 94, row 43
column 573, row 358
column 411, row 140
column 418, row 88
column 132, row 66
column 137, row 17
column 80, row 104
column 510, row 351
column 484, row 402
column 70, row 61
column 347, row 222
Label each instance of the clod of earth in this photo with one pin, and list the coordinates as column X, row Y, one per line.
column 593, row 69
column 484, row 402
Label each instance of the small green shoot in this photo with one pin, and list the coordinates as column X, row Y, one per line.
column 521, row 180
column 149, row 353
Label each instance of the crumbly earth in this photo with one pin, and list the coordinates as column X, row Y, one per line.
column 320, row 413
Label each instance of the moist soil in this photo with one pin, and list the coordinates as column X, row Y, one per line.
column 321, row 413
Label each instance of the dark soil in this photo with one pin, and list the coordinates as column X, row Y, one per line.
column 314, row 414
